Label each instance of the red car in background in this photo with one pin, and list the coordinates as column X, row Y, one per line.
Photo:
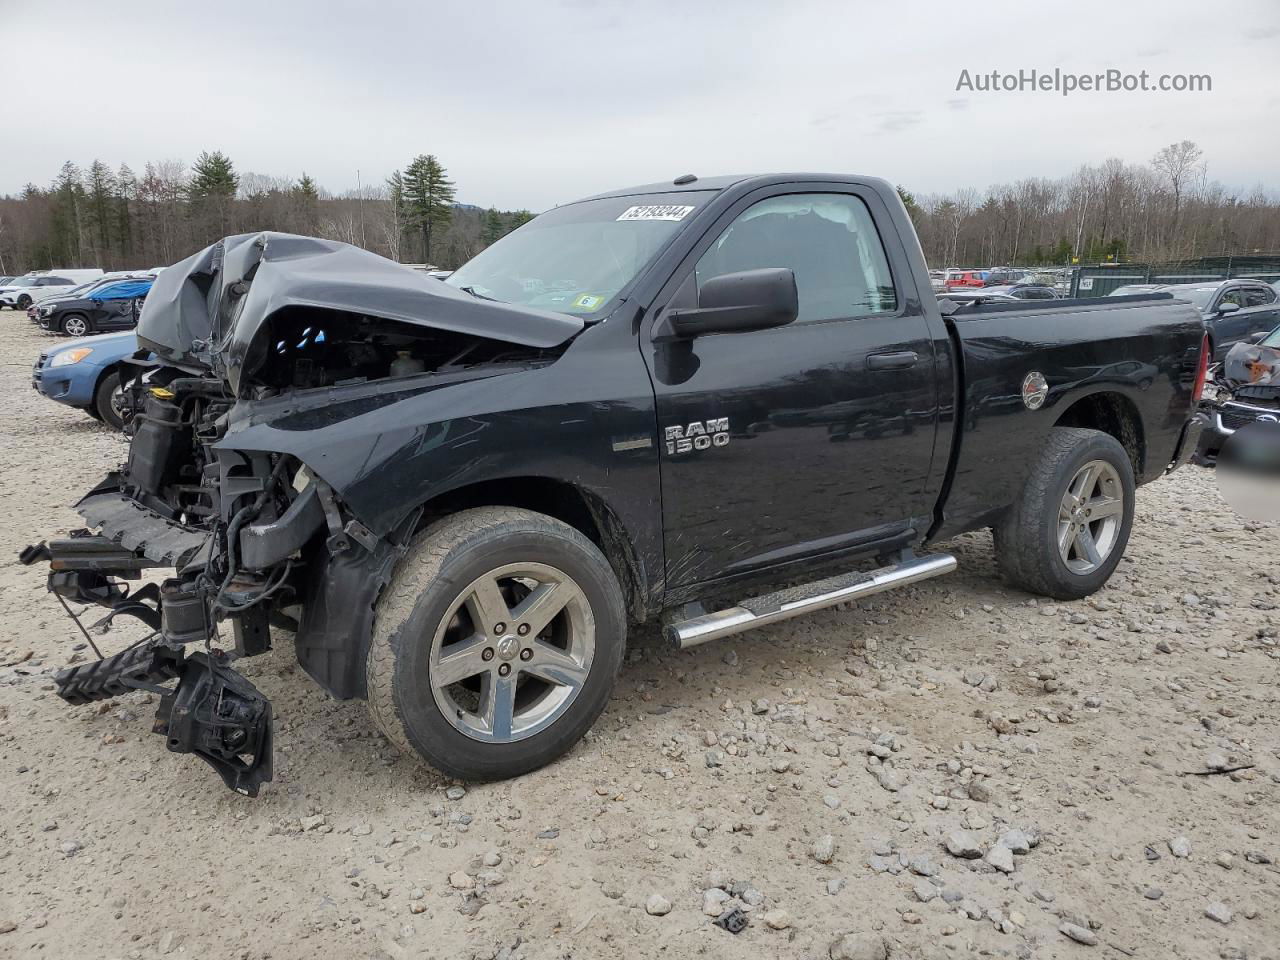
column 966, row 278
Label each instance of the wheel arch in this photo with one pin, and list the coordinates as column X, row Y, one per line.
column 1112, row 413
column 105, row 371
column 580, row 508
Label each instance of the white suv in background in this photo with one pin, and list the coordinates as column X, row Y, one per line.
column 24, row 291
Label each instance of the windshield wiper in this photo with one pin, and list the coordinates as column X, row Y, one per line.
column 479, row 296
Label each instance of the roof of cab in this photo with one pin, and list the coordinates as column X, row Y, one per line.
column 667, row 186
column 724, row 182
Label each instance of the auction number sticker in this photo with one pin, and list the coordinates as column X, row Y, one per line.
column 656, row 211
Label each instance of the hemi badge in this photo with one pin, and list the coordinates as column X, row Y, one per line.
column 643, row 443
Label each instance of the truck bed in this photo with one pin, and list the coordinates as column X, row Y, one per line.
column 1129, row 358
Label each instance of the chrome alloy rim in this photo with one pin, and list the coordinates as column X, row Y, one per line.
column 512, row 653
column 75, row 327
column 1090, row 516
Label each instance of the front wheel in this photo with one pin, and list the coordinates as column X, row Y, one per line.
column 23, row 302
column 108, row 401
column 1067, row 531
column 496, row 644
column 74, row 325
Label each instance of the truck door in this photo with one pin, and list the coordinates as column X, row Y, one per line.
column 807, row 439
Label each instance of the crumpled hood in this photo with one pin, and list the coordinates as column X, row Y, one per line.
column 1252, row 364
column 205, row 311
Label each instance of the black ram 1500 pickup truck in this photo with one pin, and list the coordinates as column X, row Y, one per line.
column 716, row 403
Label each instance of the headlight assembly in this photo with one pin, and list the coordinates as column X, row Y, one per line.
column 68, row 357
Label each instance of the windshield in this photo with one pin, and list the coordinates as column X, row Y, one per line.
column 1200, row 296
column 575, row 259
column 1272, row 339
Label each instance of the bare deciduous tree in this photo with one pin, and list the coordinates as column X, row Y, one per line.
column 1179, row 162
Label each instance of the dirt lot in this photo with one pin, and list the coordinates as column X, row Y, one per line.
column 954, row 713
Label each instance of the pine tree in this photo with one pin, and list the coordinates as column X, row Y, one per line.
column 212, row 175
column 211, row 191
column 305, row 196
column 394, row 222
column 66, row 225
column 428, row 197
column 909, row 201
column 305, row 189
column 517, row 219
column 493, row 227
column 126, row 193
column 100, row 189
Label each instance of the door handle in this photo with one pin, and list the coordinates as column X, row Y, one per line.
column 892, row 361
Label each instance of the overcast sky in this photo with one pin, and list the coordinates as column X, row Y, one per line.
column 537, row 103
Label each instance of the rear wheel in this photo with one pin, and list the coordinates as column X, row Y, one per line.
column 1067, row 531
column 496, row 644
column 108, row 401
column 74, row 325
column 24, row 301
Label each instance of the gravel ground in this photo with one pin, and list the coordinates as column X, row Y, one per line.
column 952, row 770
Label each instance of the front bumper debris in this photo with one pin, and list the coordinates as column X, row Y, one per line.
column 212, row 712
column 221, row 717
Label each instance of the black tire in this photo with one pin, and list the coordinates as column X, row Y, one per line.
column 1026, row 538
column 102, row 405
column 23, row 302
column 71, row 319
column 429, row 581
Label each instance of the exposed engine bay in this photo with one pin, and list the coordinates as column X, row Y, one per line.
column 1244, row 389
column 256, row 538
column 305, row 349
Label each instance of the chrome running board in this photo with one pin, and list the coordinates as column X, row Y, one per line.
column 806, row 598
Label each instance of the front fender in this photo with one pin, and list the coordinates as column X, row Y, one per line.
column 387, row 447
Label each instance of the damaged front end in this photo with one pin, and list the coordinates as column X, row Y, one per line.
column 237, row 506
column 179, row 505
column 1245, row 390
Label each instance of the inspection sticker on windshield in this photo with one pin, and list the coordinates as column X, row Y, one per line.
column 657, row 211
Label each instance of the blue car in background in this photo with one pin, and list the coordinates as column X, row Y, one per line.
column 85, row 373
column 108, row 306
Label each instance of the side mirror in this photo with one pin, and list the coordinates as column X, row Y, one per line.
column 1258, row 336
column 1224, row 308
column 735, row 302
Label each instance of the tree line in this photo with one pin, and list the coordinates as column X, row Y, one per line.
column 117, row 219
column 1167, row 209
column 1164, row 210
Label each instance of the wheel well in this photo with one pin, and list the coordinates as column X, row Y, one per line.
column 1111, row 413
column 102, row 375
column 583, row 511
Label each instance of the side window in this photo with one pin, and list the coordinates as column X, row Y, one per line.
column 1235, row 296
column 1258, row 296
column 827, row 239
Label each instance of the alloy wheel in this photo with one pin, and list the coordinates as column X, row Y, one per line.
column 512, row 653
column 1090, row 516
